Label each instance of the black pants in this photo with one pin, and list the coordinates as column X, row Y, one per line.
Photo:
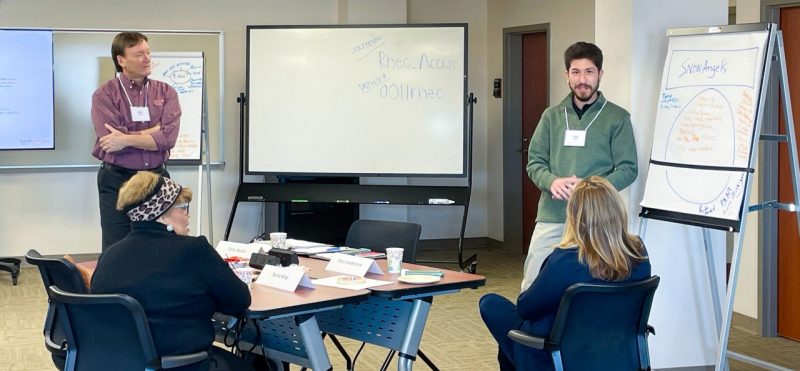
column 114, row 223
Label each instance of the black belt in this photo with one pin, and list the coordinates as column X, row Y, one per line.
column 119, row 169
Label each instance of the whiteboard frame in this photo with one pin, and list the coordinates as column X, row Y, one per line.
column 465, row 127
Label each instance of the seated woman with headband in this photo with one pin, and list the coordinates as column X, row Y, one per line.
column 179, row 280
column 596, row 248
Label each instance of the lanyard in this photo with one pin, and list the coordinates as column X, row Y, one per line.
column 566, row 120
column 145, row 92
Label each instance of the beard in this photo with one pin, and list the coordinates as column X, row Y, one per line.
column 586, row 94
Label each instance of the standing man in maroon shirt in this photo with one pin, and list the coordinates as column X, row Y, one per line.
column 136, row 121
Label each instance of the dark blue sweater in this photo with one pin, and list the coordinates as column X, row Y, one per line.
column 538, row 304
column 180, row 281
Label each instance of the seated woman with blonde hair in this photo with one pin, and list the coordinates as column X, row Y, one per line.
column 596, row 248
column 179, row 280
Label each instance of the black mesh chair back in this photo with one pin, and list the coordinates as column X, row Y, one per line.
column 65, row 275
column 377, row 235
column 110, row 331
column 601, row 327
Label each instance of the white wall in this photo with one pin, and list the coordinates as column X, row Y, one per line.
column 56, row 211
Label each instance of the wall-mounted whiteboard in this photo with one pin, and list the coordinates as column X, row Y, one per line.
column 81, row 62
column 357, row 100
column 26, row 89
column 184, row 72
column 705, row 124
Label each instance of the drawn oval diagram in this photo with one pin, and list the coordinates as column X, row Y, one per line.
column 180, row 77
column 702, row 134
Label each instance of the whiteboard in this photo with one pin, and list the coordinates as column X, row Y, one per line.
column 705, row 123
column 26, row 89
column 357, row 100
column 184, row 72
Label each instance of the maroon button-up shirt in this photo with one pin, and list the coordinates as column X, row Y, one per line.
column 110, row 106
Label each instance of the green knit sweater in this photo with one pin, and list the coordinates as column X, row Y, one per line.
column 610, row 151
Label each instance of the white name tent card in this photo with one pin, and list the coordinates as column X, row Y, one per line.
column 228, row 249
column 284, row 278
column 352, row 265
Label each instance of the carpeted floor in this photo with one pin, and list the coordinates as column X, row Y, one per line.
column 455, row 338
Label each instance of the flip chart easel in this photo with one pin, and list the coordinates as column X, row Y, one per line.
column 694, row 150
column 185, row 71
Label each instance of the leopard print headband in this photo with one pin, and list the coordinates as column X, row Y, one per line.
column 164, row 195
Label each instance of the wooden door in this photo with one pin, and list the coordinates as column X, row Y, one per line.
column 534, row 102
column 788, row 237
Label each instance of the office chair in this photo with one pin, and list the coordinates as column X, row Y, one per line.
column 377, row 235
column 11, row 265
column 598, row 327
column 111, row 331
column 65, row 275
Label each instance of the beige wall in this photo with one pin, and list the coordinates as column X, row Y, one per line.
column 60, row 207
column 36, row 216
column 567, row 25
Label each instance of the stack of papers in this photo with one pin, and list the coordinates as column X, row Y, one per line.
column 419, row 272
column 333, row 282
column 300, row 244
column 316, row 249
column 326, row 255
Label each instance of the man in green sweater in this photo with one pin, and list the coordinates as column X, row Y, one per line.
column 583, row 135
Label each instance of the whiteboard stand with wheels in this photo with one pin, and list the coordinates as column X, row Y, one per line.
column 705, row 144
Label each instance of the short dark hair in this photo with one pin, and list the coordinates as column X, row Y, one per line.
column 583, row 50
column 122, row 41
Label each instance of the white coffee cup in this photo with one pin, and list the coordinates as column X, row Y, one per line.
column 278, row 239
column 394, row 259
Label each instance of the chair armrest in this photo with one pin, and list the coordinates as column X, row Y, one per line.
column 526, row 340
column 54, row 347
column 650, row 330
column 183, row 359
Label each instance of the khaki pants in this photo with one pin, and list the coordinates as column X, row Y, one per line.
column 545, row 237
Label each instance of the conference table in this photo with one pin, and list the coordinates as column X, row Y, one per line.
column 393, row 316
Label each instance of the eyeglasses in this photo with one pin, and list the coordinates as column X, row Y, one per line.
column 184, row 205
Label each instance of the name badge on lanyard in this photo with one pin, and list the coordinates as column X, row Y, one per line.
column 140, row 113
column 575, row 138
